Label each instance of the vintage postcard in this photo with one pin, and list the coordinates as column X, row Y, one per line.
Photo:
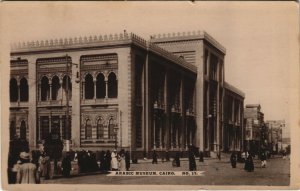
column 149, row 95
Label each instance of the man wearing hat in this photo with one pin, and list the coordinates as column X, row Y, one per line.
column 27, row 172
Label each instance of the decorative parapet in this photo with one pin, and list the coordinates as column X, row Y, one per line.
column 160, row 51
column 191, row 35
column 77, row 42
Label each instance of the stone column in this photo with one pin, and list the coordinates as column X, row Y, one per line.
column 95, row 88
column 39, row 91
column 62, row 91
column 167, row 113
column 183, row 113
column 177, row 131
column 60, row 126
column 39, row 126
column 18, row 86
column 208, row 117
column 154, row 132
column 106, row 88
column 32, row 101
column 147, row 113
column 50, row 90
column 75, row 101
column 199, row 98
column 160, row 131
column 50, row 118
column 83, row 90
column 232, row 146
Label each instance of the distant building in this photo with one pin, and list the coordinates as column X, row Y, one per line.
column 122, row 91
column 286, row 142
column 254, row 121
column 275, row 134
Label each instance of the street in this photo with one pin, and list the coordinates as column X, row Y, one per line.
column 215, row 172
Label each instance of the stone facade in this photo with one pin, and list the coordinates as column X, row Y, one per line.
column 254, row 122
column 121, row 91
column 274, row 134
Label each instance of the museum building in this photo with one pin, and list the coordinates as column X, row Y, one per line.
column 121, row 91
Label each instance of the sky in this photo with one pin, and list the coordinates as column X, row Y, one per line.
column 261, row 39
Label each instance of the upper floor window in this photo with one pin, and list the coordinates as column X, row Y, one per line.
column 112, row 85
column 205, row 61
column 213, row 67
column 89, row 87
column 100, row 86
column 23, row 90
column 67, row 87
column 23, row 130
column 100, row 129
column 88, row 129
column 13, row 90
column 55, row 88
column 45, row 89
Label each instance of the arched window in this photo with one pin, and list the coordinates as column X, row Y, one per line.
column 23, row 90
column 45, row 88
column 100, row 129
column 23, row 130
column 111, row 133
column 67, row 86
column 89, row 87
column 88, row 129
column 13, row 90
column 12, row 129
column 112, row 86
column 55, row 88
column 100, row 86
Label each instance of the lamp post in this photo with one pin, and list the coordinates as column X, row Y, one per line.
column 67, row 101
column 116, row 138
column 155, row 106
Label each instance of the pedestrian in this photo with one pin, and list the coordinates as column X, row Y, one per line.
column 192, row 161
column 114, row 161
column 283, row 154
column 201, row 157
column 66, row 166
column 249, row 166
column 177, row 159
column 122, row 161
column 102, row 160
column 14, row 172
column 46, row 166
column 263, row 159
column 108, row 160
column 167, row 156
column 127, row 160
column 233, row 159
column 154, row 157
column 27, row 172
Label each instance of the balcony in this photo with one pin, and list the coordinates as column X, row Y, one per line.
column 102, row 101
column 53, row 103
column 97, row 142
column 19, row 104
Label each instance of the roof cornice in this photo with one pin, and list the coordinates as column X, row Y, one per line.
column 234, row 89
column 78, row 43
column 187, row 36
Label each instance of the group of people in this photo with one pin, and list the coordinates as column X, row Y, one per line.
column 176, row 160
column 249, row 165
column 106, row 161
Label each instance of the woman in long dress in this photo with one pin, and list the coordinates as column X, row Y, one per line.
column 122, row 161
column 114, row 161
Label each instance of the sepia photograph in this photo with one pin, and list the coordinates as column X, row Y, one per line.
column 149, row 95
